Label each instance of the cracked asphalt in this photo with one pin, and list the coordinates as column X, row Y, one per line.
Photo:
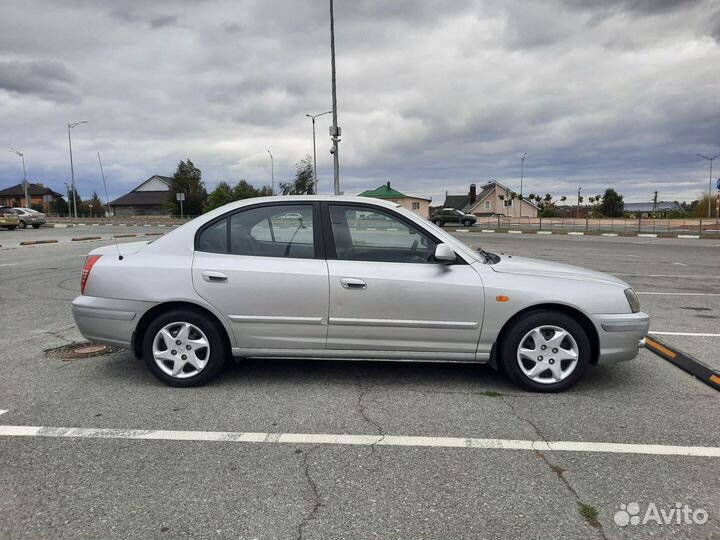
column 117, row 488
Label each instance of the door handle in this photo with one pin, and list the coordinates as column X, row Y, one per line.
column 353, row 283
column 214, row 277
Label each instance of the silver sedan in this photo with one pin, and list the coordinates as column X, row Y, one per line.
column 328, row 282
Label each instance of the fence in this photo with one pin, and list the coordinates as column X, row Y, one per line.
column 619, row 225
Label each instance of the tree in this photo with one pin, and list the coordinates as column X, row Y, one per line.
column 95, row 205
column 612, row 204
column 188, row 180
column 304, row 181
column 224, row 193
column 700, row 207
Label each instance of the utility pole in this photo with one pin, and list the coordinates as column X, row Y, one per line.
column 655, row 205
column 272, row 172
column 313, row 117
column 24, row 182
column 710, row 159
column 578, row 208
column 72, row 169
column 335, row 130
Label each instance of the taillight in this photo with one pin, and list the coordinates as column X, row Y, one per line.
column 89, row 263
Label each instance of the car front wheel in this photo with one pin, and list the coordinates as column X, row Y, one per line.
column 438, row 222
column 466, row 222
column 22, row 225
column 545, row 351
column 36, row 226
column 184, row 348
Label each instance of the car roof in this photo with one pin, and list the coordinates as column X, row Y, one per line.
column 308, row 198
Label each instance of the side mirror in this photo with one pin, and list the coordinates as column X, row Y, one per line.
column 445, row 254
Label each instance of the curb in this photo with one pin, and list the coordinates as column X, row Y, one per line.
column 576, row 233
column 125, row 236
column 81, row 238
column 34, row 242
column 544, row 232
column 684, row 361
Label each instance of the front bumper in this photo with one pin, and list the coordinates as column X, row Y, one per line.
column 620, row 335
column 108, row 320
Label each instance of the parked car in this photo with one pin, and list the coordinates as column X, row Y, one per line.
column 451, row 216
column 233, row 281
column 28, row 216
column 8, row 218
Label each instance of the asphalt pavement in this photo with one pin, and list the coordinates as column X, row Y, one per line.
column 149, row 461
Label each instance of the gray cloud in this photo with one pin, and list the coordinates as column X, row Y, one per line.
column 433, row 95
column 47, row 79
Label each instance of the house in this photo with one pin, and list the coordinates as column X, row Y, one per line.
column 494, row 199
column 148, row 199
column 649, row 209
column 419, row 205
column 41, row 197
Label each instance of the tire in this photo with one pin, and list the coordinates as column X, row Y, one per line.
column 209, row 361
column 563, row 373
column 35, row 226
column 467, row 222
column 22, row 225
column 11, row 228
column 438, row 222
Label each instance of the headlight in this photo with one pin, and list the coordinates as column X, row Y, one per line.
column 632, row 300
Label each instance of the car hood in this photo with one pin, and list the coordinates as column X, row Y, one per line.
column 127, row 248
column 536, row 267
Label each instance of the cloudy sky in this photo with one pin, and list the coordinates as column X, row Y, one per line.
column 432, row 94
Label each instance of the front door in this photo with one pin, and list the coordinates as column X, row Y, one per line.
column 388, row 294
column 261, row 267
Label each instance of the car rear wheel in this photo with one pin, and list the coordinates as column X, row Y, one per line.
column 11, row 227
column 438, row 222
column 36, row 226
column 184, row 348
column 22, row 225
column 545, row 351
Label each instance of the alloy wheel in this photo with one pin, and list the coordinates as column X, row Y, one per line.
column 548, row 354
column 181, row 350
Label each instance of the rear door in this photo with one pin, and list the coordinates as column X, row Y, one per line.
column 263, row 267
column 388, row 294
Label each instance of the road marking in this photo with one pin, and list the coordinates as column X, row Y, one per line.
column 691, row 334
column 358, row 440
column 680, row 264
column 666, row 275
column 678, row 293
column 3, row 411
column 9, row 264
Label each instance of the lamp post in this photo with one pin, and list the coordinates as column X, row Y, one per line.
column 710, row 159
column 272, row 173
column 335, row 131
column 24, row 182
column 522, row 170
column 578, row 208
column 72, row 169
column 313, row 117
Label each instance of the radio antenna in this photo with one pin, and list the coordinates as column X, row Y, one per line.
column 107, row 198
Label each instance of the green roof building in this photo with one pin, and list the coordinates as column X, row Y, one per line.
column 419, row 205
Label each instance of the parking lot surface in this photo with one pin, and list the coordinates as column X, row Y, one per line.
column 451, row 450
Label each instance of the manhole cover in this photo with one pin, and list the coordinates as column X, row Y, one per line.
column 80, row 350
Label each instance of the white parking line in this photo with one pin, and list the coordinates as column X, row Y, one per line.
column 9, row 264
column 691, row 334
column 3, row 411
column 358, row 440
column 677, row 293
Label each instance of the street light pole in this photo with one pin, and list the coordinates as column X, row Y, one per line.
column 72, row 169
column 272, row 172
column 313, row 117
column 522, row 170
column 334, row 129
column 25, row 184
column 710, row 159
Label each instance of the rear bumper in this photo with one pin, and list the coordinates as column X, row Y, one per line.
column 108, row 320
column 620, row 335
